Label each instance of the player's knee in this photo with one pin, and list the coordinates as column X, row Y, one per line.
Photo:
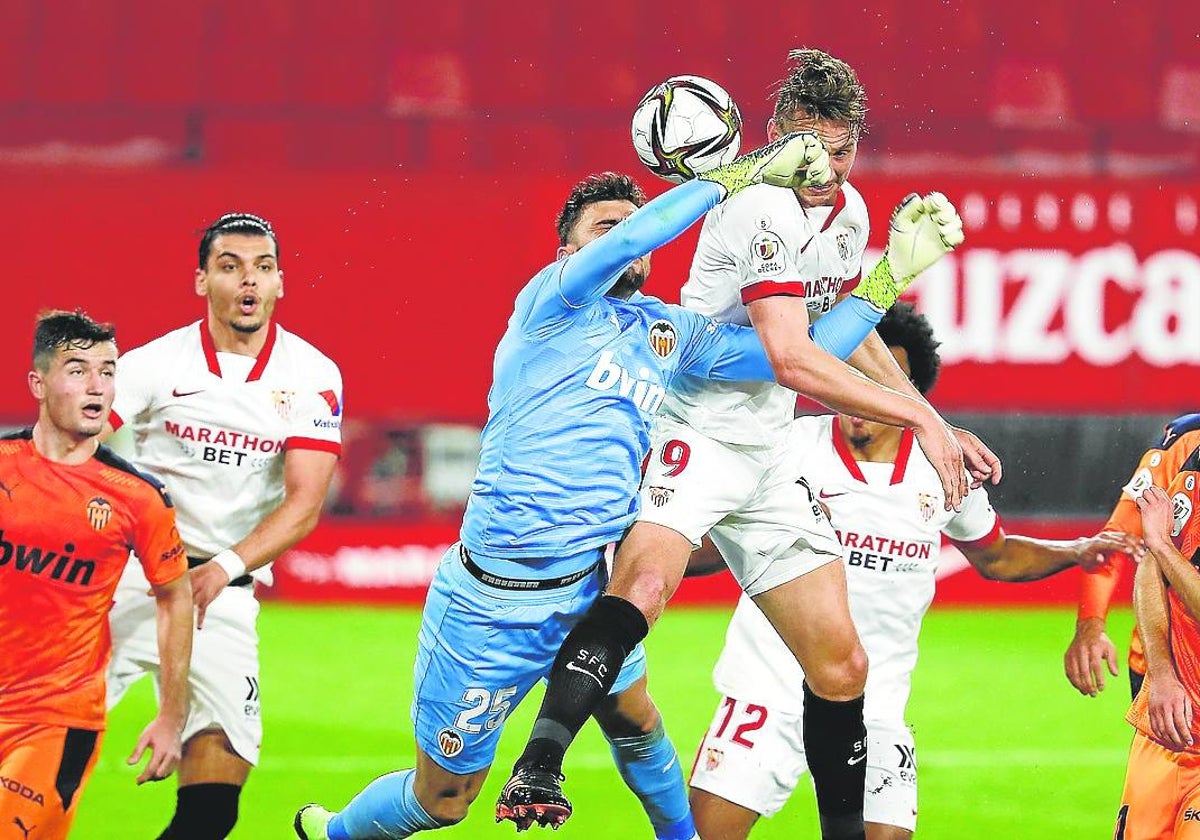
column 649, row 588
column 446, row 798
column 840, row 678
column 450, row 807
column 204, row 812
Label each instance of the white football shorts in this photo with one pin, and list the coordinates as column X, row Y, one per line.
column 759, row 512
column 223, row 681
column 754, row 757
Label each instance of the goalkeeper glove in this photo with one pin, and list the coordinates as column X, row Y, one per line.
column 922, row 231
column 797, row 160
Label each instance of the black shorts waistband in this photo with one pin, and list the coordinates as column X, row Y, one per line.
column 244, row 580
column 520, row 584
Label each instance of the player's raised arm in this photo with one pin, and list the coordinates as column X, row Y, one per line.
column 592, row 270
column 782, row 326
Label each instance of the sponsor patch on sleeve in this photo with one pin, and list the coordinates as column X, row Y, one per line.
column 766, row 254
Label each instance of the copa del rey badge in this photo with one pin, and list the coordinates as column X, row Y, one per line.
column 663, row 338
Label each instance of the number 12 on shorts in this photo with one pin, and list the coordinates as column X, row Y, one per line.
column 750, row 719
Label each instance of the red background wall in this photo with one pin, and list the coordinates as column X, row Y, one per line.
column 1069, row 295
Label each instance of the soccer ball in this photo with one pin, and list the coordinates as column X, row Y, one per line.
column 685, row 126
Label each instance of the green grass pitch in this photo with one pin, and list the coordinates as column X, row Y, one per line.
column 1006, row 748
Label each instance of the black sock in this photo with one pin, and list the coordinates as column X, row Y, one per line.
column 204, row 812
column 835, row 744
column 582, row 675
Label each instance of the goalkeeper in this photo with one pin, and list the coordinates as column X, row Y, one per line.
column 583, row 366
column 718, row 463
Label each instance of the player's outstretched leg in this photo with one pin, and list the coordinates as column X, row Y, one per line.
column 582, row 675
column 532, row 796
column 312, row 822
column 388, row 805
column 823, row 639
column 645, row 756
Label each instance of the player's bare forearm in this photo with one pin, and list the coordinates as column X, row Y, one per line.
column 1183, row 577
column 1157, row 521
column 874, row 360
column 782, row 326
column 1015, row 558
column 174, row 626
column 1150, row 610
column 306, row 476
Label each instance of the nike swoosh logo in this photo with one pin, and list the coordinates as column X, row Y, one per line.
column 177, row 393
column 571, row 666
column 670, row 763
column 825, row 495
column 858, row 759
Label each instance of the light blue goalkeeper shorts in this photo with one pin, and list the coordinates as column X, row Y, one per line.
column 481, row 649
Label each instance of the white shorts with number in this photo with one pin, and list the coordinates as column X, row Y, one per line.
column 758, row 510
column 223, row 681
column 754, row 756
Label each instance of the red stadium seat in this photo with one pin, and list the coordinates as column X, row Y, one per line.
column 162, row 52
column 514, row 73
column 249, row 65
column 943, row 71
column 246, row 143
column 452, row 145
column 429, row 81
column 594, row 74
column 504, row 82
column 342, row 144
column 1039, row 32
column 597, row 147
column 1027, row 94
column 530, row 145
column 1179, row 100
column 1115, row 61
column 443, row 24
column 17, row 51
column 339, row 57
column 75, row 52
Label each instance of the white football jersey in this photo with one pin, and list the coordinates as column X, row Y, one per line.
column 889, row 518
column 214, row 427
column 758, row 243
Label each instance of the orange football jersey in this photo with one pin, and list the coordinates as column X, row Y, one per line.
column 1158, row 465
column 65, row 536
column 1184, row 491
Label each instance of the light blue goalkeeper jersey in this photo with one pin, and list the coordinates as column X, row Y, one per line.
column 577, row 379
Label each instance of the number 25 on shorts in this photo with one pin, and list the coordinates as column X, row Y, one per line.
column 495, row 705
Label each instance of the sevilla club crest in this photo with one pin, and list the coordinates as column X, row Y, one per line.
column 927, row 502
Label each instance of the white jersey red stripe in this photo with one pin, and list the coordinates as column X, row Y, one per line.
column 890, row 519
column 214, row 427
column 762, row 242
